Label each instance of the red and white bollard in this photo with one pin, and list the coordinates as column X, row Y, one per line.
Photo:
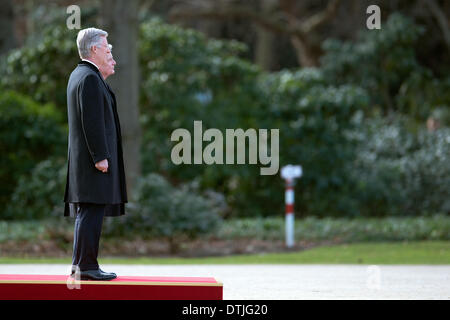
column 289, row 173
column 289, row 199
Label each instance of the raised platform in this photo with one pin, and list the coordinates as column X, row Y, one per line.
column 62, row 287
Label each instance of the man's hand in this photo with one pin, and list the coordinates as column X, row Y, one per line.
column 102, row 165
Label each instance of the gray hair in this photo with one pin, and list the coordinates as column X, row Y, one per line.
column 87, row 38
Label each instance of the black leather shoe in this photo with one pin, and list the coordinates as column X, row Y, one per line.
column 96, row 275
column 109, row 273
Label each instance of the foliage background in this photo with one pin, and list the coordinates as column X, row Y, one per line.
column 356, row 123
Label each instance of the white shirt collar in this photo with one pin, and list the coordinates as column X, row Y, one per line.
column 90, row 63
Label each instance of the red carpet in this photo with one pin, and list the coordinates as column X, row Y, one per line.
column 62, row 287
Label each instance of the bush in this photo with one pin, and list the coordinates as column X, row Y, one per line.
column 314, row 119
column 29, row 133
column 160, row 210
column 188, row 77
column 39, row 194
column 401, row 172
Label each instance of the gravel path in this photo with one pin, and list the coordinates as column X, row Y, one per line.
column 272, row 282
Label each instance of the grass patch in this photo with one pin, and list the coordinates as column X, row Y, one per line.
column 421, row 252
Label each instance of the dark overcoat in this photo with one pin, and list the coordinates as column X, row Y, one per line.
column 94, row 135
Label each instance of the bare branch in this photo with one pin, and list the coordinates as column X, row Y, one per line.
column 441, row 19
column 281, row 22
column 322, row 17
column 239, row 12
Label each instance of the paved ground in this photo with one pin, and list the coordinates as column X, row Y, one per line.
column 297, row 282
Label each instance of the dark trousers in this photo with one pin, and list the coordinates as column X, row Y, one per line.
column 86, row 238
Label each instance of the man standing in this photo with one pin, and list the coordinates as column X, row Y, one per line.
column 96, row 177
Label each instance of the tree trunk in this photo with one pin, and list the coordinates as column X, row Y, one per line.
column 265, row 39
column 7, row 38
column 119, row 19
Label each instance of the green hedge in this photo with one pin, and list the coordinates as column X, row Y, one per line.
column 435, row 227
column 341, row 229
